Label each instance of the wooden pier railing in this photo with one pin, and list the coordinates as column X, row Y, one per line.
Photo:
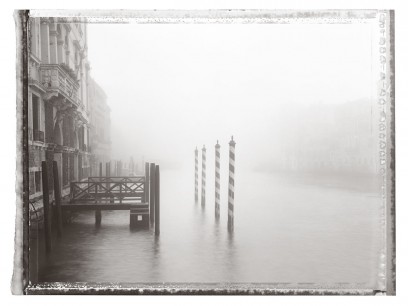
column 97, row 189
column 138, row 194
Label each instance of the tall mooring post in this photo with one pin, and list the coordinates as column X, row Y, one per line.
column 46, row 204
column 57, row 196
column 157, row 202
column 196, row 176
column 108, row 185
column 217, row 180
column 152, row 191
column 231, row 185
column 203, row 177
column 147, row 185
column 98, row 213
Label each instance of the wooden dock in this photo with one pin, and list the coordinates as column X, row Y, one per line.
column 114, row 193
column 140, row 195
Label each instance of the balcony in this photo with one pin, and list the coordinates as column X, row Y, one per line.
column 38, row 135
column 61, row 80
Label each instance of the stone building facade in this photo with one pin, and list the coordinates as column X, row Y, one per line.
column 59, row 111
column 100, row 140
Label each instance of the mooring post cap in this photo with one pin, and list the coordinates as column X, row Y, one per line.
column 232, row 142
column 204, row 148
column 217, row 144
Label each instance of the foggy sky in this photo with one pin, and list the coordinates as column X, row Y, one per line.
column 172, row 87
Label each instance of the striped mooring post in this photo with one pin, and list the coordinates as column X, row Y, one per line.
column 217, row 180
column 231, row 184
column 196, row 175
column 203, row 176
column 157, row 201
column 152, row 191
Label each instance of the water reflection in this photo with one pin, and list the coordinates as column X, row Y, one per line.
column 330, row 235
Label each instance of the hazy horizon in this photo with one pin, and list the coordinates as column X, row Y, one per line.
column 183, row 86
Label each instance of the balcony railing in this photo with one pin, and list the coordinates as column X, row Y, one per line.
column 55, row 78
column 38, row 135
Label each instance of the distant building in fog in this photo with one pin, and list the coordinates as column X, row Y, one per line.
column 100, row 140
column 340, row 138
column 61, row 97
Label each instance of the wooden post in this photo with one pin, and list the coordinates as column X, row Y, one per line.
column 231, row 185
column 157, row 202
column 98, row 213
column 146, row 185
column 57, row 196
column 98, row 217
column 217, row 181
column 107, row 170
column 152, row 191
column 120, row 193
column 111, row 201
column 203, row 176
column 196, row 176
column 46, row 205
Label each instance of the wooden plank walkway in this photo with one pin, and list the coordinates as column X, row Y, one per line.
column 112, row 193
column 109, row 206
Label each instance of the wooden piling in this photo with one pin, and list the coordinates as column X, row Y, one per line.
column 98, row 213
column 98, row 217
column 231, row 185
column 46, row 205
column 57, row 196
column 203, row 176
column 196, row 175
column 217, row 181
column 157, row 202
column 147, row 185
column 152, row 191
column 112, row 200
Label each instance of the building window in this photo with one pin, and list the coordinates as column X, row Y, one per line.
column 37, row 176
column 32, row 183
column 38, row 135
column 35, row 182
column 65, row 169
column 36, row 112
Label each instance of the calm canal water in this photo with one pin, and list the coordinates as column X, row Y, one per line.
column 287, row 229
